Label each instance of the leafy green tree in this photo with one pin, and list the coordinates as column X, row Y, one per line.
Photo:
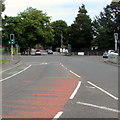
column 11, row 25
column 60, row 33
column 30, row 27
column 2, row 6
column 105, row 25
column 36, row 27
column 81, row 31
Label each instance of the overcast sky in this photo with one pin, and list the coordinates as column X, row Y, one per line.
column 65, row 10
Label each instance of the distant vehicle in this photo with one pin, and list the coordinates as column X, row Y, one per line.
column 112, row 52
column 109, row 53
column 49, row 51
column 105, row 54
column 43, row 52
column 33, row 51
column 37, row 52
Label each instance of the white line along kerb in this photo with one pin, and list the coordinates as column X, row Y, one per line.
column 103, row 90
column 15, row 74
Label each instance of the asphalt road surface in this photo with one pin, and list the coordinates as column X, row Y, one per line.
column 53, row 86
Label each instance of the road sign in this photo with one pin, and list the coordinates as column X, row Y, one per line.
column 11, row 42
column 69, row 45
column 17, row 45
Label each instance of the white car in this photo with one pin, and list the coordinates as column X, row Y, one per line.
column 112, row 52
column 37, row 52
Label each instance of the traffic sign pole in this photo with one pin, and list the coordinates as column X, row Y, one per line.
column 11, row 51
column 11, row 42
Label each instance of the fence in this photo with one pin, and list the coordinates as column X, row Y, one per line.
column 7, row 55
column 94, row 53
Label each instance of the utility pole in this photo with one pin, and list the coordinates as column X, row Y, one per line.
column 116, row 40
column 61, row 40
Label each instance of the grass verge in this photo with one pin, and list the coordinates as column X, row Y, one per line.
column 3, row 61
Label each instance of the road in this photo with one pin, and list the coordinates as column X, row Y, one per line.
column 61, row 86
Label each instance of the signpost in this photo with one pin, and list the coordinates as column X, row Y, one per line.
column 11, row 42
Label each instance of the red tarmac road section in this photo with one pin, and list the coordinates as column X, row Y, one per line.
column 42, row 102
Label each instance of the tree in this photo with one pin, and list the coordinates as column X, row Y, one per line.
column 81, row 31
column 2, row 6
column 60, row 33
column 11, row 25
column 105, row 25
column 30, row 27
column 36, row 27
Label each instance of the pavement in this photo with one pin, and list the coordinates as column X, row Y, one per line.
column 112, row 62
column 9, row 65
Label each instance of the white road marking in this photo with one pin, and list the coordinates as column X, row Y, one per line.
column 70, row 70
column 63, row 66
column 99, row 107
column 58, row 115
column 75, row 74
column 103, row 90
column 75, row 91
column 79, row 83
column 90, row 87
column 15, row 74
column 44, row 63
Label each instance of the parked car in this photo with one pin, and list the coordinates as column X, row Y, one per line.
column 49, row 51
column 43, row 52
column 33, row 51
column 37, row 52
column 109, row 53
column 105, row 54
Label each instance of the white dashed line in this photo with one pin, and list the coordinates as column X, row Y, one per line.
column 16, row 73
column 75, row 74
column 103, row 90
column 58, row 115
column 99, row 107
column 79, row 83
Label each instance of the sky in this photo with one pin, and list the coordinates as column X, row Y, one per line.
column 65, row 10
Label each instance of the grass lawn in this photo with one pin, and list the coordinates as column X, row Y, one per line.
column 4, row 61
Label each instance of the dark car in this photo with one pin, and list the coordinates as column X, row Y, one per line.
column 37, row 52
